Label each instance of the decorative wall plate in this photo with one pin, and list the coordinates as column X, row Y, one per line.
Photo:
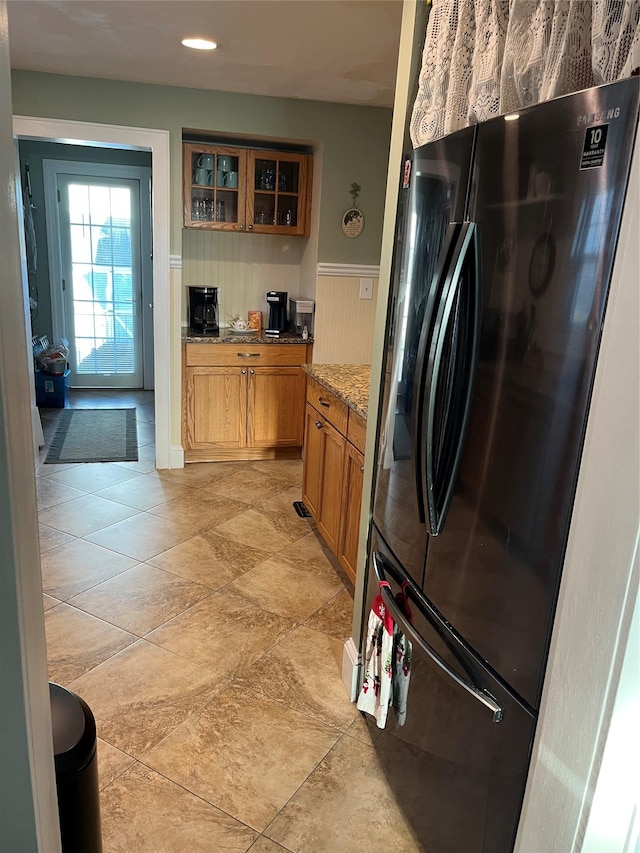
column 352, row 223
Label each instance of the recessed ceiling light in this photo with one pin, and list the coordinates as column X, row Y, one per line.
column 199, row 44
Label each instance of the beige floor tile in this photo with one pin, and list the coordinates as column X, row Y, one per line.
column 140, row 599
column 93, row 476
column 50, row 538
column 286, row 469
column 112, row 763
column 144, row 535
column 250, row 485
column 196, row 475
column 85, row 515
column 335, row 617
column 146, row 459
column 45, row 469
column 143, row 492
column 305, row 671
column 210, row 510
column 209, row 559
column 265, row 845
column 146, row 434
column 143, row 693
column 366, row 732
column 344, row 805
column 78, row 565
column 76, row 642
column 311, row 547
column 52, row 493
column 225, row 632
column 284, row 501
column 146, row 813
column 244, row 753
column 289, row 587
column 272, row 531
column 48, row 602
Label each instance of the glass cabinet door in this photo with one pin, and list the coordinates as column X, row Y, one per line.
column 214, row 187
column 277, row 192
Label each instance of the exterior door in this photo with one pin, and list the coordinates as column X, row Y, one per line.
column 101, row 279
column 100, row 266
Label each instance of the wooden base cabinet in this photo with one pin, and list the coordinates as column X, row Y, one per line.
column 240, row 412
column 322, row 476
column 333, row 473
column 352, row 499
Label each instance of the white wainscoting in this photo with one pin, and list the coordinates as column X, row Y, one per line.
column 344, row 323
column 243, row 266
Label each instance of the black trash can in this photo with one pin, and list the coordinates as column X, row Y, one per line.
column 75, row 753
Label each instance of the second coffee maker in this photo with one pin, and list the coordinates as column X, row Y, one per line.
column 277, row 302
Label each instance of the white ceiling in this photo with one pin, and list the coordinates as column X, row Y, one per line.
column 343, row 51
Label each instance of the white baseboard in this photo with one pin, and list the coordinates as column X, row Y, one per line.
column 350, row 668
column 176, row 457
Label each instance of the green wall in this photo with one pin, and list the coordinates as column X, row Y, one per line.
column 354, row 140
column 32, row 153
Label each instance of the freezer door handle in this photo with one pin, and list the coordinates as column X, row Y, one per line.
column 449, row 376
column 407, row 628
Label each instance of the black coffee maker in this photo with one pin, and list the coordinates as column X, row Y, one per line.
column 203, row 310
column 277, row 302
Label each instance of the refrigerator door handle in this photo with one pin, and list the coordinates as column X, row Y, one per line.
column 407, row 628
column 424, row 344
column 438, row 497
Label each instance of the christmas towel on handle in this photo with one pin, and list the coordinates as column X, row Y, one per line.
column 402, row 654
column 376, row 692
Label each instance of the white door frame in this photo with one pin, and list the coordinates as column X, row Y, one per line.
column 156, row 141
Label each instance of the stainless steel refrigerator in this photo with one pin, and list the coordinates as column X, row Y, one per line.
column 505, row 247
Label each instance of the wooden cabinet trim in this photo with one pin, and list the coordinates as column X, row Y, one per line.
column 245, row 354
column 334, row 410
column 357, row 430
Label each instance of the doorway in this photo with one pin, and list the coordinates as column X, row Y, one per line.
column 166, row 334
column 99, row 238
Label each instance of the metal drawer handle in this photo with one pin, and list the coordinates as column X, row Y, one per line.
column 319, row 424
column 243, row 371
column 324, row 403
column 248, row 354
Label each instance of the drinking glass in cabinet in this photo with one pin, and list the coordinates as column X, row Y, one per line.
column 202, row 209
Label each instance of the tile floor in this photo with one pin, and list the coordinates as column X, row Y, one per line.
column 203, row 621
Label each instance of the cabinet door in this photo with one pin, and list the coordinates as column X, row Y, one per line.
column 276, row 401
column 312, row 462
column 214, row 191
column 215, row 407
column 352, row 500
column 279, row 192
column 330, row 515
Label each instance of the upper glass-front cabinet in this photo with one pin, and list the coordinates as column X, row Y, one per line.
column 214, row 187
column 235, row 189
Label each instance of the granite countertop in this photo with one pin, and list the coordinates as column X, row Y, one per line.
column 349, row 383
column 225, row 337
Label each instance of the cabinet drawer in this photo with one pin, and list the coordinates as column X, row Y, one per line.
column 357, row 430
column 334, row 410
column 245, row 354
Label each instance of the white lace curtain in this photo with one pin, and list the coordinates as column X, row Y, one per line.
column 484, row 58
